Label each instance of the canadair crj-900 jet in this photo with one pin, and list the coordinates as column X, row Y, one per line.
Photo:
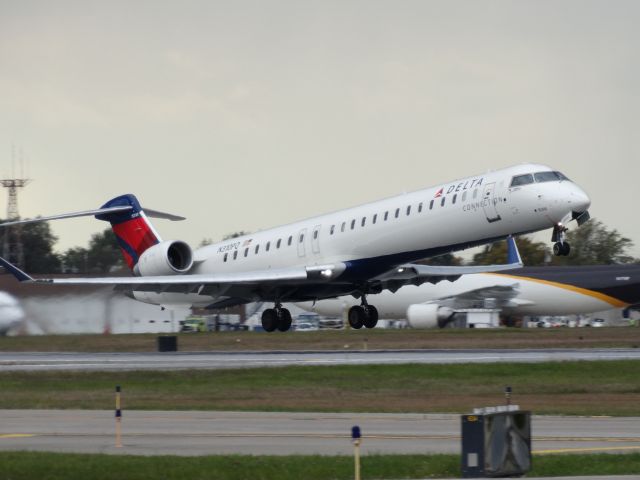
column 358, row 251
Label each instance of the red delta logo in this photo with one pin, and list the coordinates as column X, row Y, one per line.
column 438, row 193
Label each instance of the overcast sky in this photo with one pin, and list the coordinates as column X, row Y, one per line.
column 248, row 114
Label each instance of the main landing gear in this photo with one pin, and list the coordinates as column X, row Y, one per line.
column 561, row 247
column 277, row 318
column 364, row 315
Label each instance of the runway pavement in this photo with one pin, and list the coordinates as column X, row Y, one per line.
column 264, row 433
column 25, row 361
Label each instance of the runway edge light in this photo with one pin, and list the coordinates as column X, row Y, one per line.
column 356, row 438
column 118, row 419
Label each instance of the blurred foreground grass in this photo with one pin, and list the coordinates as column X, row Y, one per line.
column 54, row 466
column 570, row 388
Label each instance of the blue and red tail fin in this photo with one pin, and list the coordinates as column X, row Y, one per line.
column 132, row 229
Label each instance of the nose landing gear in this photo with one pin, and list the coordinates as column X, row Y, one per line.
column 276, row 318
column 561, row 247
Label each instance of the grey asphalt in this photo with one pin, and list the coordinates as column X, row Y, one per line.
column 192, row 433
column 29, row 361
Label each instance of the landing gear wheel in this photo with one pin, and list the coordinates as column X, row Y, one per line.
column 269, row 320
column 371, row 319
column 284, row 319
column 357, row 317
column 561, row 249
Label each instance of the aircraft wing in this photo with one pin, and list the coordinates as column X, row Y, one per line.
column 492, row 296
column 290, row 275
column 416, row 274
column 241, row 286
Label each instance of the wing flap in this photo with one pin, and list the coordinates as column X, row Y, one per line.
column 499, row 296
column 417, row 274
column 253, row 277
column 412, row 274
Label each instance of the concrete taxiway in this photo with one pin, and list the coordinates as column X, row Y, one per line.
column 28, row 361
column 266, row 433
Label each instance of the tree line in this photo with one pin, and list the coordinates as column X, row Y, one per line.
column 101, row 256
column 591, row 244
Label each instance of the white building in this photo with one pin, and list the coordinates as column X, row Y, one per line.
column 58, row 309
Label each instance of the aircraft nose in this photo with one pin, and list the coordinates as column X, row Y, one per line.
column 579, row 200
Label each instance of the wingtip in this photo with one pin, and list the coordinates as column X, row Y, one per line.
column 15, row 271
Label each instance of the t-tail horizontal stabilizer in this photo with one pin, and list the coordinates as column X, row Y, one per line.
column 84, row 213
column 104, row 213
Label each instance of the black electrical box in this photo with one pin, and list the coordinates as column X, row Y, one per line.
column 496, row 444
column 167, row 343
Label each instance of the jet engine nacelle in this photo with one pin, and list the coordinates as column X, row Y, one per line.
column 165, row 258
column 428, row 315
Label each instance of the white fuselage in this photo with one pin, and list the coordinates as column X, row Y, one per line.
column 373, row 238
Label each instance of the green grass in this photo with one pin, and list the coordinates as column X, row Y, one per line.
column 53, row 466
column 512, row 338
column 572, row 388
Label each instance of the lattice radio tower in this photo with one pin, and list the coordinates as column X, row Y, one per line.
column 12, row 244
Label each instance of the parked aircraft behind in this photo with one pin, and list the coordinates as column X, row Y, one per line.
column 359, row 251
column 535, row 291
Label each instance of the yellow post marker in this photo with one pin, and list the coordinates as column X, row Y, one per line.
column 118, row 419
column 356, row 437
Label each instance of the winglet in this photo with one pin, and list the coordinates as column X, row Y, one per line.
column 15, row 271
column 513, row 255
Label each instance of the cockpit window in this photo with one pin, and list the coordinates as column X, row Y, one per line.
column 519, row 180
column 549, row 177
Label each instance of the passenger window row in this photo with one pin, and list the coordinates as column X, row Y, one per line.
column 352, row 225
column 267, row 246
column 397, row 211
